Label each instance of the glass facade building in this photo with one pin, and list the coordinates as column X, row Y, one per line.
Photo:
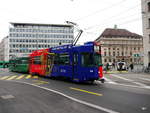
column 27, row 37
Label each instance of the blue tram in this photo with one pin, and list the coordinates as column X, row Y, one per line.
column 78, row 63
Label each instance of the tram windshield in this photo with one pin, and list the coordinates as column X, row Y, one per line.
column 91, row 59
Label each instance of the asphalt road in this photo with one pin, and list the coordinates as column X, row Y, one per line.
column 22, row 98
column 122, row 93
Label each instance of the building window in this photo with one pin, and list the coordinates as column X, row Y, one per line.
column 139, row 47
column 148, row 6
column 109, row 53
column 109, row 60
column 149, row 23
column 114, row 60
column 118, row 53
column 149, row 38
column 113, row 53
column 105, row 53
column 122, row 53
column 130, row 53
column 134, row 48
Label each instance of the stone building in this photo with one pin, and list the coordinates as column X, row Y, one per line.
column 121, row 45
column 146, row 30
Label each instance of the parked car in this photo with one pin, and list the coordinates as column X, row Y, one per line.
column 121, row 66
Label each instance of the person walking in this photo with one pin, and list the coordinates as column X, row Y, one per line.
column 107, row 66
column 131, row 66
column 113, row 64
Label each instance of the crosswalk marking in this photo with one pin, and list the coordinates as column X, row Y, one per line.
column 3, row 78
column 28, row 76
column 20, row 77
column 12, row 77
column 132, row 81
column 109, row 81
column 146, row 79
column 35, row 77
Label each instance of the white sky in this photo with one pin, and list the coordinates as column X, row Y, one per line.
column 93, row 16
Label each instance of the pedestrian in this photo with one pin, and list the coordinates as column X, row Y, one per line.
column 107, row 66
column 120, row 66
column 113, row 64
column 131, row 66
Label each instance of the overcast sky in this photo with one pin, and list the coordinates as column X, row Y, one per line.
column 93, row 16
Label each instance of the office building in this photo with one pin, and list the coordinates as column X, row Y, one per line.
column 26, row 37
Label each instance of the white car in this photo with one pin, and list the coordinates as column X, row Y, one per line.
column 121, row 66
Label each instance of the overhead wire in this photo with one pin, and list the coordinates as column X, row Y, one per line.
column 101, row 10
column 114, row 16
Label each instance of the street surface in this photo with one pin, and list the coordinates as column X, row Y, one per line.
column 121, row 93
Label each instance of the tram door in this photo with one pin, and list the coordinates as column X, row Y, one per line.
column 75, row 67
column 49, row 63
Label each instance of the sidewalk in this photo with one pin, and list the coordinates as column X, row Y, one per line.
column 125, row 72
column 114, row 72
column 4, row 69
column 137, row 69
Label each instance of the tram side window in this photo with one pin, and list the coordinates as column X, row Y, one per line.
column 25, row 61
column 18, row 62
column 56, row 59
column 36, row 60
column 97, row 59
column 62, row 59
column 75, row 59
column 87, row 59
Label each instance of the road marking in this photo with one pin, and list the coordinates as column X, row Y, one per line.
column 29, row 76
column 145, row 79
column 71, row 98
column 11, row 77
column 109, row 81
column 121, row 78
column 140, row 84
column 20, row 77
column 36, row 77
column 142, row 87
column 4, row 77
column 7, row 96
column 39, row 82
column 144, row 108
column 77, row 89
